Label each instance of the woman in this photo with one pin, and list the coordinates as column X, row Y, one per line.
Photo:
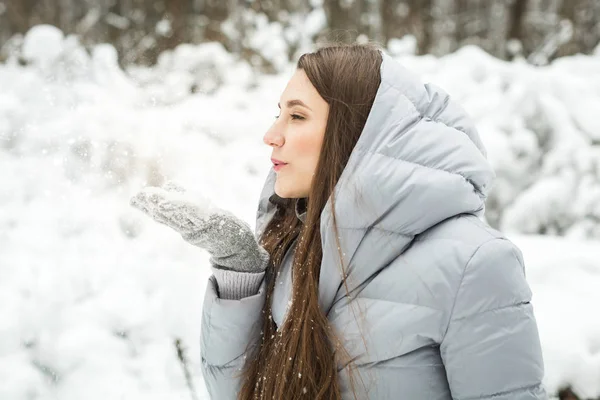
column 434, row 304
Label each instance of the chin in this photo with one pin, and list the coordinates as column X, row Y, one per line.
column 283, row 193
column 288, row 193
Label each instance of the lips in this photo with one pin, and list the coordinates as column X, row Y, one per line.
column 277, row 162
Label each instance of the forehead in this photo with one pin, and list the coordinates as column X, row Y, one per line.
column 300, row 87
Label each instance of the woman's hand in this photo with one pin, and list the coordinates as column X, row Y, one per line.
column 228, row 239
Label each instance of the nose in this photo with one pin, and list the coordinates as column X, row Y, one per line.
column 273, row 138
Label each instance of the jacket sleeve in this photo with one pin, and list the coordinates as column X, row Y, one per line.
column 491, row 348
column 235, row 285
column 229, row 328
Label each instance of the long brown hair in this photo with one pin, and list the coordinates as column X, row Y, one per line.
column 297, row 361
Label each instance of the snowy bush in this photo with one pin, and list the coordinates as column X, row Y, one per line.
column 189, row 69
column 541, row 133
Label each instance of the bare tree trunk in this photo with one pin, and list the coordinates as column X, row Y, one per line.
column 425, row 16
column 517, row 11
column 461, row 19
column 373, row 24
column 343, row 19
column 18, row 14
column 442, row 27
column 392, row 20
column 177, row 11
column 499, row 23
column 215, row 11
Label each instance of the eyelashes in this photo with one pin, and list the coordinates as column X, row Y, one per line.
column 294, row 116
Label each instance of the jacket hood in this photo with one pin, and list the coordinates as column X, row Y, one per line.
column 419, row 161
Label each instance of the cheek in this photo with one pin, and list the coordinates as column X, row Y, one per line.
column 309, row 145
column 295, row 181
column 308, row 151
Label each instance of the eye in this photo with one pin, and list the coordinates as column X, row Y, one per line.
column 294, row 116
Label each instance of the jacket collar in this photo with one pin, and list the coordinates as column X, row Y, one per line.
column 301, row 209
column 299, row 205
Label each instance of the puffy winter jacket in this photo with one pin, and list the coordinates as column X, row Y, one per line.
column 444, row 306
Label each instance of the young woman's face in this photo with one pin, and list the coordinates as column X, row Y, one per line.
column 296, row 136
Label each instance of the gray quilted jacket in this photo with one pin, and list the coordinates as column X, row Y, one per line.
column 446, row 309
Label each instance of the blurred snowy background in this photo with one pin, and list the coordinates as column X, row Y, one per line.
column 99, row 99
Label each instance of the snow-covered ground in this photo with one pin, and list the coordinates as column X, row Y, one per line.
column 96, row 300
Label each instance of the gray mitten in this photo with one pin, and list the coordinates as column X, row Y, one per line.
column 228, row 239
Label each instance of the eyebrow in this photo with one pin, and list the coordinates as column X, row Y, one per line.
column 296, row 102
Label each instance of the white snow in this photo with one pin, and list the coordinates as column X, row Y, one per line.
column 94, row 295
column 564, row 275
column 42, row 44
